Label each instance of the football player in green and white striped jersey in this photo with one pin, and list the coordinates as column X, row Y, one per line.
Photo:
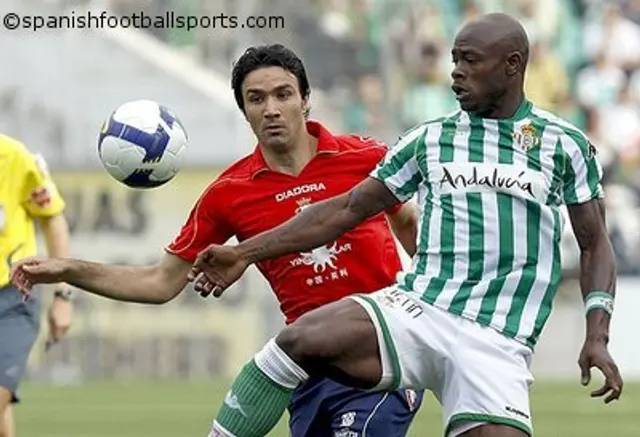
column 464, row 320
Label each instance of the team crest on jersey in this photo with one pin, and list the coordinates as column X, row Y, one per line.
column 527, row 138
column 41, row 196
column 302, row 204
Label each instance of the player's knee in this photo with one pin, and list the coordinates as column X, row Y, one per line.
column 6, row 418
column 6, row 397
column 304, row 341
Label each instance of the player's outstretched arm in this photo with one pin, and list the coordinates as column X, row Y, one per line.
column 597, row 282
column 146, row 284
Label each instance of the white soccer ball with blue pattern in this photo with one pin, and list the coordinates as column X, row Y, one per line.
column 142, row 144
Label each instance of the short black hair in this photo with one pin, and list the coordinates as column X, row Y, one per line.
column 270, row 55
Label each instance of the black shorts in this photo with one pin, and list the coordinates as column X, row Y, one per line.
column 19, row 326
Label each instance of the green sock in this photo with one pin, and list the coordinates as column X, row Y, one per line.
column 254, row 405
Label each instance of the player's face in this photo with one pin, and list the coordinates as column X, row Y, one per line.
column 479, row 79
column 273, row 106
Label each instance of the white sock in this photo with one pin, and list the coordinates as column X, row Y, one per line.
column 218, row 431
column 277, row 365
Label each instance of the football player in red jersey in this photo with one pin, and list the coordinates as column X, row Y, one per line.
column 296, row 163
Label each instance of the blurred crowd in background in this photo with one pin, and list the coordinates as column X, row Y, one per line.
column 385, row 64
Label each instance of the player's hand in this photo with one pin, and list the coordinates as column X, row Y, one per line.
column 595, row 354
column 31, row 271
column 215, row 269
column 60, row 316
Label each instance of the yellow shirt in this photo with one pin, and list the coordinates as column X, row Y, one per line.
column 26, row 192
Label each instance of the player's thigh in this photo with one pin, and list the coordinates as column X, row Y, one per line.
column 413, row 336
column 375, row 414
column 6, row 396
column 7, row 425
column 486, row 385
column 337, row 340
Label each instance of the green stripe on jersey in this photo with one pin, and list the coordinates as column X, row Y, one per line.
column 475, row 253
column 529, row 270
column 476, row 140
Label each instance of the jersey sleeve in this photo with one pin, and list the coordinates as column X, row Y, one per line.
column 377, row 155
column 207, row 224
column 40, row 196
column 398, row 170
column 583, row 172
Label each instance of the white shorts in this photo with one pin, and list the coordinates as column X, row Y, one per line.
column 478, row 375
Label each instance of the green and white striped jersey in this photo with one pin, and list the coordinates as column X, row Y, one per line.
column 489, row 191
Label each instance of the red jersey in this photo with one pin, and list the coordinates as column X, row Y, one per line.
column 249, row 198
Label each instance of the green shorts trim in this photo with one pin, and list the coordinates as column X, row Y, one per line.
column 396, row 378
column 476, row 417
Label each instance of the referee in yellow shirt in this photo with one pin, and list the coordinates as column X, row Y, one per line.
column 27, row 196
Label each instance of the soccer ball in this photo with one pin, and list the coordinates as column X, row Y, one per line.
column 142, row 144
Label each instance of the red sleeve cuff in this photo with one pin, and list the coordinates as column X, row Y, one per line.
column 189, row 255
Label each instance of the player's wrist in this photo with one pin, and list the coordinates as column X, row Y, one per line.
column 71, row 270
column 599, row 300
column 598, row 338
column 598, row 307
column 246, row 254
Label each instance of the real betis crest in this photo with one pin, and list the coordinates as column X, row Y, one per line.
column 527, row 138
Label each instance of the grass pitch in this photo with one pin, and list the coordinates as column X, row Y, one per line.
column 170, row 409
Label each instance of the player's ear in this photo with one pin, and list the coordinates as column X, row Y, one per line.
column 514, row 63
column 305, row 108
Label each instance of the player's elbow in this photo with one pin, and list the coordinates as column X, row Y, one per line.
column 162, row 286
column 164, row 293
column 355, row 210
column 161, row 297
column 367, row 199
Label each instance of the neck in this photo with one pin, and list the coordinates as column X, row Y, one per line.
column 292, row 158
column 506, row 106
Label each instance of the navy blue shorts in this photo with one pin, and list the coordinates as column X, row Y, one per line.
column 323, row 408
column 19, row 326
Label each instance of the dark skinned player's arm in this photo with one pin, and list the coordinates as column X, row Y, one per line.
column 320, row 223
column 597, row 261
